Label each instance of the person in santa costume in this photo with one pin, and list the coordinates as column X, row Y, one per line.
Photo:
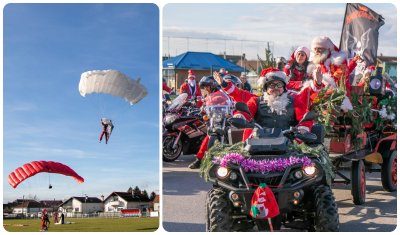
column 277, row 109
column 328, row 60
column 230, row 85
column 296, row 68
column 209, row 86
column 190, row 86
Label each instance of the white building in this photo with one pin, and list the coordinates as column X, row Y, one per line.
column 81, row 205
column 117, row 201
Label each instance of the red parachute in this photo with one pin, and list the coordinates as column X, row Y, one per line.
column 30, row 169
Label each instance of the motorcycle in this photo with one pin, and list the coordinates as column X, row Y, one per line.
column 302, row 192
column 219, row 107
column 184, row 128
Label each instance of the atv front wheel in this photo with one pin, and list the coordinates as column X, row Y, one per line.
column 326, row 211
column 219, row 210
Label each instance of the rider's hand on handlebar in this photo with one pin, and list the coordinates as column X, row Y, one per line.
column 239, row 115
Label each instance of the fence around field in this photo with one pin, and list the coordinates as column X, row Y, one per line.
column 78, row 215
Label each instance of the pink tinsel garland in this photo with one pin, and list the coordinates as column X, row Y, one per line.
column 273, row 165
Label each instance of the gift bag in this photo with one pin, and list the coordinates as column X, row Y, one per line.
column 263, row 203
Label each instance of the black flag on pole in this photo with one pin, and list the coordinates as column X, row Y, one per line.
column 360, row 32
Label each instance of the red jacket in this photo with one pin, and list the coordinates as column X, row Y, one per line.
column 336, row 68
column 166, row 88
column 239, row 95
column 295, row 80
column 185, row 88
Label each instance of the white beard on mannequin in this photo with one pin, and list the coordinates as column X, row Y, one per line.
column 192, row 82
column 277, row 103
column 319, row 59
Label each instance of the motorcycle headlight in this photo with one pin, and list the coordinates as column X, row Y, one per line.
column 218, row 117
column 222, row 172
column 170, row 118
column 309, row 170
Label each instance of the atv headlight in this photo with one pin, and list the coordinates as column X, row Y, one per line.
column 310, row 170
column 222, row 172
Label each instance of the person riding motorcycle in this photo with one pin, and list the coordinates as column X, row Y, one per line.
column 208, row 86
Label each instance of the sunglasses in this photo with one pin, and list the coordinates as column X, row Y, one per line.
column 275, row 85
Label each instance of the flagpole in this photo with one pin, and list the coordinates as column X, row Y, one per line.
column 344, row 21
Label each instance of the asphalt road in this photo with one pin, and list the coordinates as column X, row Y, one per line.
column 184, row 195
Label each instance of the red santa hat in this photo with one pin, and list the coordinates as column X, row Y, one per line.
column 271, row 74
column 303, row 49
column 323, row 42
column 223, row 71
column 191, row 74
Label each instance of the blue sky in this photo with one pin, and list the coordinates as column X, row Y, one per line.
column 285, row 26
column 46, row 48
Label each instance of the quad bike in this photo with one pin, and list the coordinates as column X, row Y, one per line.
column 304, row 196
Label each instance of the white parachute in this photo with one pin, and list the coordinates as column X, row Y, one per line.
column 112, row 82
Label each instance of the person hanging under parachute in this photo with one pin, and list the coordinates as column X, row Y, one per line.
column 107, row 129
column 111, row 82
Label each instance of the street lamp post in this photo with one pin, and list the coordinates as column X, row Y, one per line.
column 86, row 197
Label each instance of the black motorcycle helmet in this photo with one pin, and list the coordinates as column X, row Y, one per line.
column 209, row 81
column 235, row 80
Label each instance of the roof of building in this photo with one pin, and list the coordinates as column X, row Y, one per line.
column 128, row 197
column 50, row 203
column 201, row 61
column 83, row 200
column 29, row 204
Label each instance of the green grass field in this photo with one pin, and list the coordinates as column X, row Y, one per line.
column 86, row 225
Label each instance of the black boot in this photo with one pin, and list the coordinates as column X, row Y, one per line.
column 195, row 164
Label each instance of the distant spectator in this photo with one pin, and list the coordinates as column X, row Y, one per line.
column 190, row 86
column 165, row 87
column 280, row 63
column 62, row 218
column 246, row 85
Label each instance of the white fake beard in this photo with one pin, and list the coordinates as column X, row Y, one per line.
column 319, row 59
column 277, row 103
column 192, row 82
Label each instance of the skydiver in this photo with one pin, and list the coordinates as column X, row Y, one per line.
column 107, row 128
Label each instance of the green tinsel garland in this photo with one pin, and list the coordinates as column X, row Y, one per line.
column 318, row 151
column 219, row 150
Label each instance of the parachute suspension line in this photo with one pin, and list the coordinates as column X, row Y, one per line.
column 101, row 105
column 50, row 186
